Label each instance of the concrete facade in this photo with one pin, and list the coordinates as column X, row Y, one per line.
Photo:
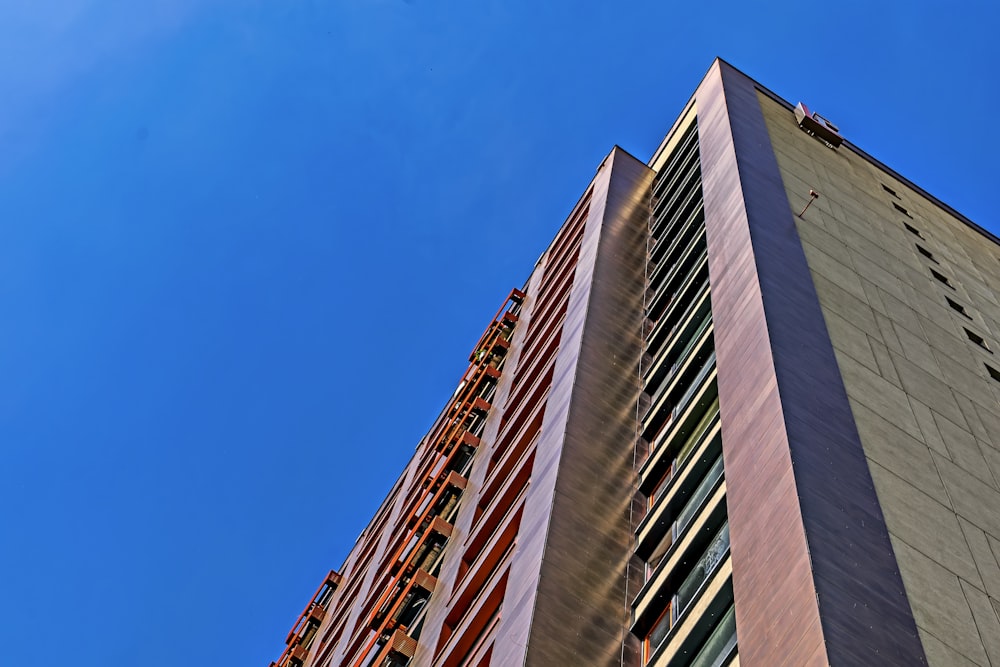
column 925, row 405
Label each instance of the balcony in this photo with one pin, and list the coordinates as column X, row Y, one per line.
column 679, row 165
column 675, row 565
column 683, row 190
column 659, row 474
column 674, row 356
column 669, row 520
column 301, row 636
column 666, row 284
column 689, row 606
column 674, row 317
column 719, row 649
column 674, row 398
column 707, row 631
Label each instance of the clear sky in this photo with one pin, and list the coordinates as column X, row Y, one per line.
column 246, row 247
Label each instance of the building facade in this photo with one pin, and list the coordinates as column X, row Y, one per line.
column 745, row 410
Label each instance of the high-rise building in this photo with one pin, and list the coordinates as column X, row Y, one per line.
column 743, row 411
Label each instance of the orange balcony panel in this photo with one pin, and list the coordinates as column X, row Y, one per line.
column 436, row 525
column 317, row 613
column 441, row 527
column 402, row 644
column 425, row 581
column 399, row 646
column 516, row 296
column 298, row 653
column 464, row 437
column 456, row 480
column 481, row 405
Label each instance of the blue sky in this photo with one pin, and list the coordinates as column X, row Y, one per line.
column 245, row 248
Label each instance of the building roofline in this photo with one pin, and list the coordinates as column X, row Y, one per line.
column 861, row 153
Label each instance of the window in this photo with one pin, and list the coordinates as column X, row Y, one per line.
column 978, row 340
column 926, row 253
column 890, row 190
column 688, row 590
column 913, row 230
column 721, row 644
column 958, row 308
column 941, row 278
column 994, row 373
column 901, row 210
column 685, row 515
column 705, row 424
column 661, row 628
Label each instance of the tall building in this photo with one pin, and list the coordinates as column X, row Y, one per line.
column 745, row 410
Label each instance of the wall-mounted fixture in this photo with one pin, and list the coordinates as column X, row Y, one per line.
column 818, row 126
